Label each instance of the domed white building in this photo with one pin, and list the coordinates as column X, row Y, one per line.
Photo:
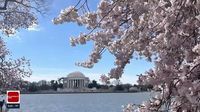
column 75, row 80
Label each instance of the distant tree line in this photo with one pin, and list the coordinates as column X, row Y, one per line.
column 35, row 86
column 54, row 85
column 120, row 87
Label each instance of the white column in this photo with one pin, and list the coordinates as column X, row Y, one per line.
column 84, row 83
column 69, row 83
column 81, row 82
column 73, row 83
column 77, row 83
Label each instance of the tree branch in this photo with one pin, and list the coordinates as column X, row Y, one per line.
column 21, row 3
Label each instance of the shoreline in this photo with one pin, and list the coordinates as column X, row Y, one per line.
column 76, row 92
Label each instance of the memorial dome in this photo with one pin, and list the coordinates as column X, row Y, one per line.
column 76, row 75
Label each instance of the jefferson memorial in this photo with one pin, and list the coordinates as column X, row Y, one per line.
column 75, row 80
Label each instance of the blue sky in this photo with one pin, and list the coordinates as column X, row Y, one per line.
column 48, row 48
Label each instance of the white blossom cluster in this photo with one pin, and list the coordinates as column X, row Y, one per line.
column 105, row 79
column 67, row 15
column 196, row 49
column 129, row 108
column 168, row 30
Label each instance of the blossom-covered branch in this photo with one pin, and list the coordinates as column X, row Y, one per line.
column 12, row 71
column 166, row 32
column 17, row 14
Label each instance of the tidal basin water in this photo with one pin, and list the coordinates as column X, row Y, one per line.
column 98, row 102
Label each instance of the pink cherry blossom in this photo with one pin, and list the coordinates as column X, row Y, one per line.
column 168, row 30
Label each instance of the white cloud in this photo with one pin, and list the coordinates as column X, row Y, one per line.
column 34, row 27
column 132, row 79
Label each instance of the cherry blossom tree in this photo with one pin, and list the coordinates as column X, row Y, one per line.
column 166, row 32
column 16, row 14
column 12, row 71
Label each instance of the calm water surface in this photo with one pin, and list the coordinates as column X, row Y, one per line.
column 100, row 102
